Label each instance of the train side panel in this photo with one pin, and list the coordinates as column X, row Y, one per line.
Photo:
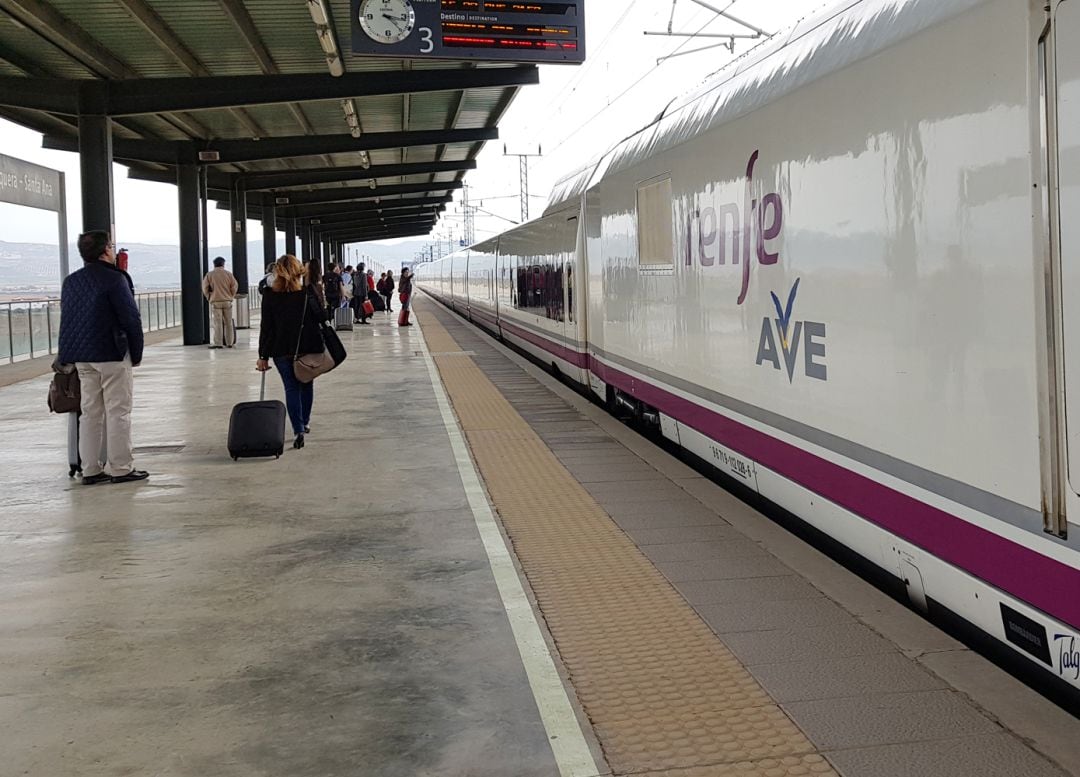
column 842, row 310
column 537, row 264
column 483, row 310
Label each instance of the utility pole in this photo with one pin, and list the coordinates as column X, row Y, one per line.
column 523, row 160
column 470, row 217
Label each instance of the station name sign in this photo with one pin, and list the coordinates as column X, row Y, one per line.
column 23, row 183
column 492, row 30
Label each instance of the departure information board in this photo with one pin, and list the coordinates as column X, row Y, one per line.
column 493, row 30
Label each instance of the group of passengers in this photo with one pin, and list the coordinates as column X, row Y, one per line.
column 101, row 334
column 296, row 303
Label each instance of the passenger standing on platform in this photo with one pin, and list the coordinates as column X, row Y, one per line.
column 360, row 289
column 347, row 285
column 268, row 279
column 388, row 291
column 101, row 333
column 314, row 280
column 406, row 296
column 332, row 288
column 380, row 289
column 220, row 287
column 291, row 317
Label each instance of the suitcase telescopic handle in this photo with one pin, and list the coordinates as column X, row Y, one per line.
column 262, row 391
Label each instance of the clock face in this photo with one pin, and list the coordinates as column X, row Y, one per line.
column 387, row 21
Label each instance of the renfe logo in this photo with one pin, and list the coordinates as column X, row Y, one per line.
column 755, row 224
column 810, row 335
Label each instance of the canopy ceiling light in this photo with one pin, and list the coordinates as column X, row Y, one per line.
column 320, row 15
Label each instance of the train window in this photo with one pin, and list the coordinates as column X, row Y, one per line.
column 655, row 247
column 540, row 289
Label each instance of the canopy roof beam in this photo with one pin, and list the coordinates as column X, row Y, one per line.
column 350, row 193
column 232, row 151
column 136, row 96
column 254, row 182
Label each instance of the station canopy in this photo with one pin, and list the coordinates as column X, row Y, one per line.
column 266, row 94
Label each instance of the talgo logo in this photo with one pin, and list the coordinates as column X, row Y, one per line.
column 1068, row 656
column 791, row 336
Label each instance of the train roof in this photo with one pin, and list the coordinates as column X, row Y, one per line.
column 823, row 43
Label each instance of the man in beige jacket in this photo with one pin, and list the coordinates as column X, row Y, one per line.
column 220, row 287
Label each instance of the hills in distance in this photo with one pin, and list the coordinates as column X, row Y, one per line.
column 34, row 268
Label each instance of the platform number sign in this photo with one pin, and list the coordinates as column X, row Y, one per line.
column 492, row 30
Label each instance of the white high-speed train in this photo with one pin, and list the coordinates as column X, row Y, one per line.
column 846, row 271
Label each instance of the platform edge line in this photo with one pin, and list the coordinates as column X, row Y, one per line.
column 568, row 743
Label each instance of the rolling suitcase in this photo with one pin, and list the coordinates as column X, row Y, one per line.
column 257, row 429
column 343, row 319
column 377, row 301
column 74, row 460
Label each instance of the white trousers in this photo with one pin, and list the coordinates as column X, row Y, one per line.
column 222, row 332
column 106, row 410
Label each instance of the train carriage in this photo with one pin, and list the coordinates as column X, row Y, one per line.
column 839, row 271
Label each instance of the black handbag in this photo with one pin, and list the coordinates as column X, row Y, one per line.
column 65, row 391
column 307, row 367
column 333, row 344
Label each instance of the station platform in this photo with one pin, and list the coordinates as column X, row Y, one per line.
column 469, row 571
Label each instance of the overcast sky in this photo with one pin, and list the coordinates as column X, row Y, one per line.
column 573, row 115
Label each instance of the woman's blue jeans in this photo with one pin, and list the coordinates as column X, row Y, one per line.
column 299, row 397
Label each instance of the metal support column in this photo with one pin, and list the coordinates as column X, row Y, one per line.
column 290, row 236
column 204, row 233
column 269, row 225
column 238, row 203
column 195, row 322
column 305, row 237
column 65, row 261
column 95, row 169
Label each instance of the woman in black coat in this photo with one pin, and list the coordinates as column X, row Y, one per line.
column 290, row 327
column 388, row 291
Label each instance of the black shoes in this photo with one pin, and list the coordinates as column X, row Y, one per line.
column 131, row 477
column 298, row 443
column 93, row 480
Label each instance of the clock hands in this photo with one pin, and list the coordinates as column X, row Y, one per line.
column 394, row 21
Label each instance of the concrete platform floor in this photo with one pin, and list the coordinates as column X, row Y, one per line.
column 337, row 612
column 876, row 689
column 330, row 613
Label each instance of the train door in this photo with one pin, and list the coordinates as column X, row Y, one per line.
column 1059, row 50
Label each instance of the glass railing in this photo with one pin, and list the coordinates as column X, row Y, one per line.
column 32, row 328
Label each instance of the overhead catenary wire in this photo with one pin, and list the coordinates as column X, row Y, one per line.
column 630, row 88
column 593, row 59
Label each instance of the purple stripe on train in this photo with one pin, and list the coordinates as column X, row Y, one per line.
column 1014, row 568
column 1020, row 571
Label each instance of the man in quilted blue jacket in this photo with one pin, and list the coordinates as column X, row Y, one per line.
column 101, row 333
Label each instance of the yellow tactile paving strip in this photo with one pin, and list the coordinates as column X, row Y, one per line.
column 664, row 695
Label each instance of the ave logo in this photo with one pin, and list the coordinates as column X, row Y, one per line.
column 783, row 338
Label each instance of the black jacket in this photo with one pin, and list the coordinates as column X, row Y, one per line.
column 406, row 285
column 99, row 319
column 332, row 286
column 279, row 331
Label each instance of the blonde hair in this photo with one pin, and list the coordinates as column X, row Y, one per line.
column 288, row 274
